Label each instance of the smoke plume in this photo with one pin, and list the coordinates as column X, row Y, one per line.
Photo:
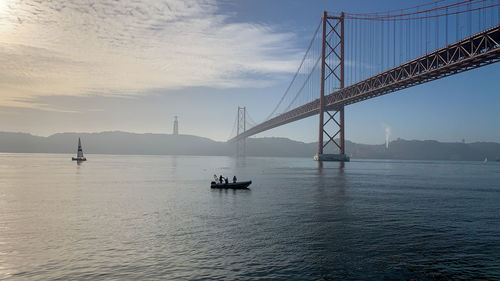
column 387, row 135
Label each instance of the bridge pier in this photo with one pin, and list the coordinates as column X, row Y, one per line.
column 241, row 148
column 241, row 144
column 332, row 45
column 337, row 119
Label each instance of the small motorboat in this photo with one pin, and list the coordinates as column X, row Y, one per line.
column 233, row 185
column 79, row 154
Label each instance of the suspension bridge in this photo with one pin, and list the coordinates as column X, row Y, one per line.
column 354, row 57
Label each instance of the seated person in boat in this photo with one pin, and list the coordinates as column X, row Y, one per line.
column 221, row 179
column 226, row 181
column 234, row 179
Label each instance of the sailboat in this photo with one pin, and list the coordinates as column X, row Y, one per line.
column 79, row 154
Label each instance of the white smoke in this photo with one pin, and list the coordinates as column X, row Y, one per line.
column 387, row 134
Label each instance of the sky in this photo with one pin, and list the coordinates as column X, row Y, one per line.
column 91, row 66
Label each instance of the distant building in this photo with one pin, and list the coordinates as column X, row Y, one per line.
column 176, row 126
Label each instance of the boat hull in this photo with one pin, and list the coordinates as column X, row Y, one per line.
column 79, row 159
column 237, row 185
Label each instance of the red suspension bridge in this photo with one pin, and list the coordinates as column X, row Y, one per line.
column 354, row 57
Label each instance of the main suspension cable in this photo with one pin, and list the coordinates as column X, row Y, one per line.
column 296, row 73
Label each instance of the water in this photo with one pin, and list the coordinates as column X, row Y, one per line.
column 155, row 217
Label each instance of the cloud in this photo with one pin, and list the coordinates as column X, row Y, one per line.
column 129, row 47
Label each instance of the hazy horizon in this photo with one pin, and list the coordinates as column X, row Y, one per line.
column 258, row 136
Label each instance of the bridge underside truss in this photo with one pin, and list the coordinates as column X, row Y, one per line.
column 473, row 52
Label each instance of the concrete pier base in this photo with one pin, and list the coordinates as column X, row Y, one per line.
column 332, row 157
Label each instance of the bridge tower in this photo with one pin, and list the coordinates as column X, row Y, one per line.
column 332, row 67
column 241, row 146
column 176, row 127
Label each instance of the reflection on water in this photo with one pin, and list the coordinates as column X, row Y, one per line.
column 341, row 165
column 155, row 217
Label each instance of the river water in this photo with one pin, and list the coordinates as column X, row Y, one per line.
column 155, row 217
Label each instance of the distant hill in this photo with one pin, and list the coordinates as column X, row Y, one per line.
column 426, row 150
column 399, row 149
column 164, row 144
column 112, row 143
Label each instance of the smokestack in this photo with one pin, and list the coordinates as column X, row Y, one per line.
column 176, row 126
column 387, row 135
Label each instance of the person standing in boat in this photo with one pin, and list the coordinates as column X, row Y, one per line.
column 234, row 179
column 221, row 179
column 226, row 181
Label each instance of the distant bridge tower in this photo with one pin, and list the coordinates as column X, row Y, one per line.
column 332, row 45
column 241, row 146
column 176, row 126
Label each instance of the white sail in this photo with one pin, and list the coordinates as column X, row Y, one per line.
column 79, row 154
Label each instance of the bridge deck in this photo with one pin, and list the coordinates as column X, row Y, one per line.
column 475, row 51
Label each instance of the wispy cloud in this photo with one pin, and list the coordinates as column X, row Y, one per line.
column 128, row 47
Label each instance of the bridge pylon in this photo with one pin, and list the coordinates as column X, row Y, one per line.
column 332, row 67
column 241, row 145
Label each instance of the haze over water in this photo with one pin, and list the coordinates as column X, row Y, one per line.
column 155, row 217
